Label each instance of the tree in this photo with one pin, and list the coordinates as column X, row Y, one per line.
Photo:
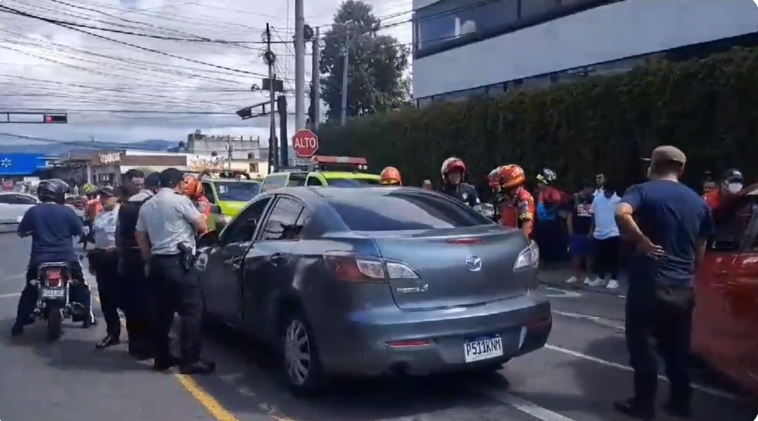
column 376, row 69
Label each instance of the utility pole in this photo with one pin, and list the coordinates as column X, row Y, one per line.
column 229, row 146
column 346, row 63
column 299, row 65
column 270, row 59
column 316, row 80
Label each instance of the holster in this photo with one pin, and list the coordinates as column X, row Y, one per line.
column 187, row 257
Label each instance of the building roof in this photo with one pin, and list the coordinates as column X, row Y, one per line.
column 23, row 164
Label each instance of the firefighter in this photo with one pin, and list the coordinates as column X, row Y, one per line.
column 731, row 183
column 391, row 177
column 453, row 174
column 193, row 188
column 517, row 208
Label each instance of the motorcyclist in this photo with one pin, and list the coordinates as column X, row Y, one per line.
column 453, row 172
column 390, row 176
column 52, row 226
column 517, row 208
column 193, row 188
column 731, row 183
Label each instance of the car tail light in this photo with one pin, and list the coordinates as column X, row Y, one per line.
column 528, row 258
column 347, row 267
column 466, row 241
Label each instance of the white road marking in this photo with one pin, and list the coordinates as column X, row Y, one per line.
column 699, row 387
column 561, row 293
column 14, row 294
column 526, row 406
column 615, row 324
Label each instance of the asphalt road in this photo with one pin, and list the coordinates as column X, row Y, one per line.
column 574, row 379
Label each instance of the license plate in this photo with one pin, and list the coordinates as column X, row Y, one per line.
column 483, row 349
column 53, row 293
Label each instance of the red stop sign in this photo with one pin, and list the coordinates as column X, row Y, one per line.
column 305, row 143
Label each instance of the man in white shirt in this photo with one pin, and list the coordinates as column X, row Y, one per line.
column 606, row 239
column 599, row 183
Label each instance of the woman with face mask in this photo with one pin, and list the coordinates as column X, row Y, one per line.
column 731, row 184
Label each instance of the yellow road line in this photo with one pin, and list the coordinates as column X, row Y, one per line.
column 211, row 404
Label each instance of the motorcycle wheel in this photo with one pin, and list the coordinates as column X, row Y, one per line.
column 54, row 323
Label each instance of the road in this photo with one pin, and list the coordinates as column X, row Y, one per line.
column 574, row 379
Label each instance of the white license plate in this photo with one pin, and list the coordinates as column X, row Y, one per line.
column 53, row 293
column 483, row 349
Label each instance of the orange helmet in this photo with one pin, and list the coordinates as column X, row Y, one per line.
column 512, row 176
column 391, row 176
column 192, row 186
column 495, row 178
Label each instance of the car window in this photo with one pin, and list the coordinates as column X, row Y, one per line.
column 284, row 222
column 237, row 191
column 352, row 182
column 314, row 181
column 398, row 211
column 730, row 229
column 242, row 228
column 274, row 181
column 208, row 193
column 17, row 199
column 296, row 180
column 8, row 198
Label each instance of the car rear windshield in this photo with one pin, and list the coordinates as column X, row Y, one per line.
column 236, row 191
column 404, row 211
column 352, row 182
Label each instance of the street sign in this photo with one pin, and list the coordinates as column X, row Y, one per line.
column 305, row 143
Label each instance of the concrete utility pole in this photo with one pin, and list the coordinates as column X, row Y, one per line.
column 270, row 58
column 229, row 146
column 346, row 54
column 299, row 65
column 316, row 80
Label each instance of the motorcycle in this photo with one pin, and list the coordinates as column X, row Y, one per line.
column 54, row 281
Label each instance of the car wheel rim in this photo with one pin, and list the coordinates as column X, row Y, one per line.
column 297, row 352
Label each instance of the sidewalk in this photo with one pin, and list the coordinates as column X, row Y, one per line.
column 557, row 278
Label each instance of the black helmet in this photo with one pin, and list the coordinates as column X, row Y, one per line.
column 52, row 190
column 732, row 175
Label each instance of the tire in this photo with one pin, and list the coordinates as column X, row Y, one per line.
column 54, row 323
column 304, row 378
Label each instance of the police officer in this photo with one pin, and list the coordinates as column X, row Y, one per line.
column 166, row 229
column 103, row 263
column 669, row 223
column 453, row 174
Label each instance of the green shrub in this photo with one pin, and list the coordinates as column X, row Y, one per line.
column 708, row 108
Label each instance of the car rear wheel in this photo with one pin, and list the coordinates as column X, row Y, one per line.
column 302, row 364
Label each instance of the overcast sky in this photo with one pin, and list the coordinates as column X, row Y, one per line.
column 47, row 66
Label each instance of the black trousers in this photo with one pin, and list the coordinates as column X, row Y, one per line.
column 109, row 287
column 136, row 299
column 659, row 319
column 176, row 290
column 607, row 252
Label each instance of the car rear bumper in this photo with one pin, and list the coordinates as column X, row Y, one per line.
column 373, row 341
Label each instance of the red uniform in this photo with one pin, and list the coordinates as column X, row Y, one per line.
column 204, row 206
column 520, row 210
column 94, row 207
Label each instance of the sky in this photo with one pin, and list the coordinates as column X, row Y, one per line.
column 119, row 87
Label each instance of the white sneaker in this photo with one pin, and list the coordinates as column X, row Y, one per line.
column 571, row 280
column 598, row 282
column 612, row 284
column 588, row 281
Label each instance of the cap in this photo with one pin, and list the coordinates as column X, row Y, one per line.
column 108, row 191
column 170, row 177
column 152, row 181
column 667, row 153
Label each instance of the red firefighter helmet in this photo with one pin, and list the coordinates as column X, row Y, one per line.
column 391, row 177
column 512, row 176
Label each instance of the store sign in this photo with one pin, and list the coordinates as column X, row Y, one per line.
column 109, row 158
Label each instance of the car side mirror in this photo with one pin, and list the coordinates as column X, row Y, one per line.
column 208, row 239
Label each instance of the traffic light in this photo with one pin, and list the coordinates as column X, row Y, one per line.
column 59, row 118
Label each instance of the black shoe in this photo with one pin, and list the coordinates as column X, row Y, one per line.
column 140, row 353
column 677, row 409
column 88, row 322
column 109, row 340
column 633, row 408
column 198, row 367
column 165, row 364
column 17, row 329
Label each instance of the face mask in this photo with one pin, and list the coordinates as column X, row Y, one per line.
column 734, row 187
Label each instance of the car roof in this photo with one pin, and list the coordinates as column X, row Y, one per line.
column 347, row 174
column 228, row 180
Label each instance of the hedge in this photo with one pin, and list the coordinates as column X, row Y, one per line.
column 707, row 107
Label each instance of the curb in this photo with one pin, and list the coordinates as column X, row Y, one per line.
column 580, row 287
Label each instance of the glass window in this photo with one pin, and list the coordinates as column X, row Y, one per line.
column 314, row 181
column 451, row 19
column 353, row 182
column 208, row 193
column 398, row 211
column 274, row 181
column 284, row 222
column 237, row 191
column 424, row 102
column 296, row 180
column 242, row 228
column 531, row 8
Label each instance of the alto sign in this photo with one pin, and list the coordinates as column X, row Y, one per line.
column 305, row 143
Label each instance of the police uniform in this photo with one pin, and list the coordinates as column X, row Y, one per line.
column 104, row 263
column 168, row 220
column 464, row 192
column 136, row 293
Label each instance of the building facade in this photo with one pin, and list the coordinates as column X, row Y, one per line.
column 238, row 152
column 469, row 48
column 78, row 167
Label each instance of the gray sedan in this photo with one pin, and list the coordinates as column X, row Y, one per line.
column 374, row 281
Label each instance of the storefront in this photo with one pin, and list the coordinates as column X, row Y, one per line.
column 109, row 167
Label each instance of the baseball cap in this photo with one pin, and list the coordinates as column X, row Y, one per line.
column 108, row 191
column 170, row 177
column 152, row 181
column 667, row 153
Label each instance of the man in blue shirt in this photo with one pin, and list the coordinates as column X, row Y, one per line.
column 670, row 225
column 52, row 226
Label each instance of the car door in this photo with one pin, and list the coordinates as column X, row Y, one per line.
column 223, row 275
column 269, row 264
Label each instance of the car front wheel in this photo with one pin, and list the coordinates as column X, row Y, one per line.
column 302, row 364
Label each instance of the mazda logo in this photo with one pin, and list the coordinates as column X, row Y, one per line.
column 474, row 264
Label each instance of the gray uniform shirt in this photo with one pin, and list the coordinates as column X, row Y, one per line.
column 168, row 219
